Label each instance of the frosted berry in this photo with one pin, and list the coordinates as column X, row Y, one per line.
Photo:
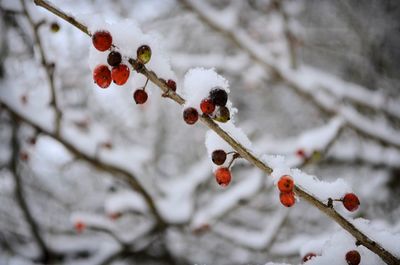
column 207, row 106
column 120, row 74
column 102, row 76
column 222, row 115
column 351, row 202
column 309, row 256
column 285, row 183
column 218, row 157
column 190, row 115
column 171, row 84
column 353, row 257
column 140, row 96
column 223, row 176
column 102, row 40
column 144, row 54
column 79, row 226
column 54, row 27
column 219, row 96
column 114, row 58
column 287, row 198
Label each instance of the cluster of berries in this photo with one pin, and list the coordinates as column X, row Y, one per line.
column 223, row 174
column 119, row 73
column 352, row 257
column 214, row 106
column 286, row 186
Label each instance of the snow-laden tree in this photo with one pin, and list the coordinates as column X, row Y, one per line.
column 90, row 177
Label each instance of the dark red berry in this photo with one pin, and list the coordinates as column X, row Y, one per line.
column 140, row 96
column 218, row 157
column 218, row 96
column 300, row 153
column 223, row 176
column 120, row 74
column 144, row 54
column 309, row 256
column 102, row 76
column 286, row 183
column 351, row 202
column 207, row 106
column 171, row 84
column 102, row 40
column 353, row 257
column 114, row 58
column 32, row 140
column 287, row 198
column 222, row 115
column 190, row 115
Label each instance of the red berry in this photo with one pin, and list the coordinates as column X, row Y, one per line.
column 24, row 156
column 190, row 115
column 287, row 198
column 223, row 176
column 115, row 216
column 102, row 76
column 140, row 96
column 79, row 226
column 300, row 153
column 171, row 84
column 207, row 106
column 102, row 40
column 351, row 202
column 120, row 74
column 32, row 140
column 309, row 256
column 353, row 257
column 218, row 157
column 114, row 58
column 285, row 183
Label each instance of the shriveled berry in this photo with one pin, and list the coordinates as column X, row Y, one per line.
column 207, row 106
column 102, row 76
column 120, row 74
column 223, row 176
column 309, row 256
column 190, row 115
column 144, row 54
column 218, row 157
column 79, row 226
column 140, row 96
column 353, row 257
column 222, row 115
column 219, row 96
column 54, row 27
column 102, row 40
column 351, row 202
column 287, row 198
column 114, row 58
column 171, row 84
column 286, row 183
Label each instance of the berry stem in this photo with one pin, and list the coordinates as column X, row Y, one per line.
column 145, row 84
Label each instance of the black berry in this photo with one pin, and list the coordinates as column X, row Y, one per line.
column 218, row 157
column 114, row 58
column 218, row 96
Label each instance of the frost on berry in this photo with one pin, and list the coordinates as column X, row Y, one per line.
column 223, row 176
column 120, row 74
column 287, row 198
column 102, row 76
column 102, row 40
column 353, row 257
column 140, row 96
column 218, row 157
column 351, row 202
column 286, row 183
column 207, row 106
column 190, row 115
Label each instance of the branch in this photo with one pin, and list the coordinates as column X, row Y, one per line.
column 246, row 154
column 20, row 196
column 49, row 67
column 94, row 161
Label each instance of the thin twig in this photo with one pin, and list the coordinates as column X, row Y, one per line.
column 246, row 154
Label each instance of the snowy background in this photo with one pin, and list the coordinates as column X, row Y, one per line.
column 314, row 82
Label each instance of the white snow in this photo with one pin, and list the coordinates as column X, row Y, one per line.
column 125, row 201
